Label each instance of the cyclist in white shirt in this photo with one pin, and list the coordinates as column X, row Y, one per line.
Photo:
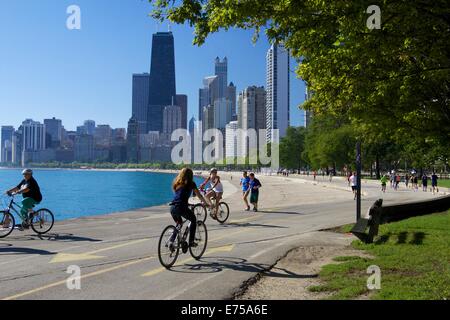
column 216, row 190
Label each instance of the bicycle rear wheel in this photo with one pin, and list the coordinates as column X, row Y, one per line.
column 42, row 221
column 223, row 213
column 168, row 247
column 201, row 239
column 200, row 212
column 7, row 224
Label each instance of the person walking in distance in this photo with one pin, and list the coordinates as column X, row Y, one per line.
column 397, row 181
column 255, row 184
column 416, row 183
column 434, row 182
column 384, row 180
column 245, row 184
column 354, row 184
column 424, row 182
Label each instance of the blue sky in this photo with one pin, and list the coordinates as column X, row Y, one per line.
column 47, row 70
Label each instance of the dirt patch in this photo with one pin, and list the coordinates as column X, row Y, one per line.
column 290, row 278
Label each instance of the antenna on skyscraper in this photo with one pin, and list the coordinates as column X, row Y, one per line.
column 169, row 28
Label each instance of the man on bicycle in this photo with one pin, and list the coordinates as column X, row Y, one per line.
column 31, row 192
column 183, row 186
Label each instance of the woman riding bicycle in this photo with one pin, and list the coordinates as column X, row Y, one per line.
column 183, row 186
column 216, row 190
column 31, row 192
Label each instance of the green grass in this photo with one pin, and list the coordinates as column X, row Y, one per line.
column 414, row 258
column 444, row 183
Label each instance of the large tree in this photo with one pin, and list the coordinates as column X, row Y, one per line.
column 396, row 76
column 292, row 147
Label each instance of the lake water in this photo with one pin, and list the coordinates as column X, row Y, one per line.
column 77, row 193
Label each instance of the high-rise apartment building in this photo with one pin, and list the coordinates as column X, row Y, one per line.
column 33, row 135
column 6, row 145
column 231, row 140
column 252, row 108
column 140, row 99
column 221, row 71
column 231, row 95
column 133, row 141
column 53, row 132
column 278, row 92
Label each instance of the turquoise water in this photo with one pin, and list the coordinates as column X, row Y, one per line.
column 77, row 193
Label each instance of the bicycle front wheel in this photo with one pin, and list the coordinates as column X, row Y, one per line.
column 7, row 224
column 201, row 239
column 168, row 248
column 200, row 212
column 223, row 213
column 42, row 221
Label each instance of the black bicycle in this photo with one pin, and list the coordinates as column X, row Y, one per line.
column 174, row 238
column 41, row 221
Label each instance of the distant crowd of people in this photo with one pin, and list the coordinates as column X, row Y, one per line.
column 411, row 181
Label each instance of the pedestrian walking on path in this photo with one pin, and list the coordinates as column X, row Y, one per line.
column 424, row 182
column 434, row 182
column 384, row 180
column 255, row 184
column 245, row 184
column 354, row 184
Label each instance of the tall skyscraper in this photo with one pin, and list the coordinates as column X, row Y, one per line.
column 182, row 101
column 140, row 100
column 231, row 95
column 33, row 135
column 133, row 141
column 278, row 93
column 221, row 71
column 53, row 131
column 162, row 78
column 208, row 94
column 252, row 108
column 17, row 146
column 6, row 144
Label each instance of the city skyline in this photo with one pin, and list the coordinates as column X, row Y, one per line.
column 110, row 99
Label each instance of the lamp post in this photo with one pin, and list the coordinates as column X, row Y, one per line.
column 358, row 180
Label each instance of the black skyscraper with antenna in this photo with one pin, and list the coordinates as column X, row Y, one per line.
column 162, row 78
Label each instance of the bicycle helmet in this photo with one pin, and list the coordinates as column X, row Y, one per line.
column 213, row 170
column 27, row 171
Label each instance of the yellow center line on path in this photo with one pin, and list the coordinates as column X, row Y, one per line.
column 89, row 275
column 68, row 257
